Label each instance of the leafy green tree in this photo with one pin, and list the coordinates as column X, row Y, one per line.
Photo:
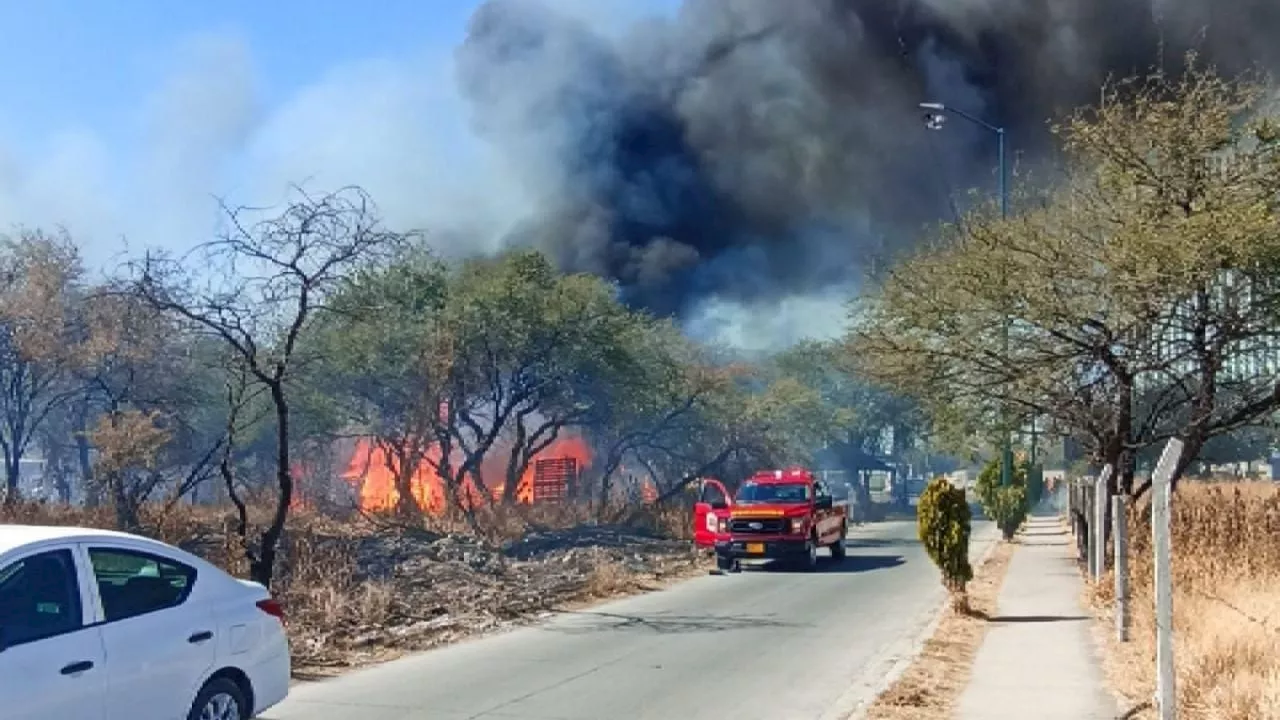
column 655, row 409
column 855, row 413
column 746, row 420
column 384, row 363
column 1128, row 290
column 533, row 352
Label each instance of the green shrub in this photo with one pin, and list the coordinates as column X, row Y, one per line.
column 943, row 523
column 1007, row 506
column 1008, row 509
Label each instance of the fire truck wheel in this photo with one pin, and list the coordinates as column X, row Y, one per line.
column 724, row 564
column 810, row 561
column 837, row 547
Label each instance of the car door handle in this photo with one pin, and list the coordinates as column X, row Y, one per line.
column 77, row 667
column 200, row 637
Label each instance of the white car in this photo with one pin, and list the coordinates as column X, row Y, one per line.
column 100, row 625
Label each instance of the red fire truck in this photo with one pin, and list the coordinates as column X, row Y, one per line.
column 782, row 515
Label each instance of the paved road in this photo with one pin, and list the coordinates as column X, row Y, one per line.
column 761, row 644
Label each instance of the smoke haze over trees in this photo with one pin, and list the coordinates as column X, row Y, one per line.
column 739, row 162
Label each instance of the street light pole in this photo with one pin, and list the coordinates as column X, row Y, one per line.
column 934, row 120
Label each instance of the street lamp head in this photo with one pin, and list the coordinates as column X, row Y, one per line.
column 936, row 115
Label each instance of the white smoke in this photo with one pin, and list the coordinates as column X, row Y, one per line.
column 765, row 326
column 394, row 126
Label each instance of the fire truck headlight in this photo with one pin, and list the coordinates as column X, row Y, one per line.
column 797, row 526
column 723, row 527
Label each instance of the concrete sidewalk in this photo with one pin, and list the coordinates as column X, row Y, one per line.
column 1038, row 659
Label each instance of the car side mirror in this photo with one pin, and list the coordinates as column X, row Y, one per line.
column 823, row 502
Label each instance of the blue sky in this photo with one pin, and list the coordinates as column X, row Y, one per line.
column 69, row 62
column 123, row 118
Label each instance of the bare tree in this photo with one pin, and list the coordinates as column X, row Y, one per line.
column 255, row 288
column 141, row 381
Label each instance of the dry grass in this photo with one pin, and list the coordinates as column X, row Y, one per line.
column 318, row 580
column 367, row 588
column 1226, row 547
column 932, row 684
column 503, row 523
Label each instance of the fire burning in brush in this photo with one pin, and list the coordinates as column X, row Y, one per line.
column 550, row 476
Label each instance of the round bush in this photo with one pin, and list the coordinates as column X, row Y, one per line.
column 943, row 523
column 1006, row 505
column 1008, row 509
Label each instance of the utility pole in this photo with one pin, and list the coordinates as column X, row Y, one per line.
column 934, row 120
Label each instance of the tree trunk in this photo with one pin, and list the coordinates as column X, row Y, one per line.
column 612, row 462
column 126, row 509
column 262, row 568
column 92, row 491
column 12, row 475
column 62, row 483
column 511, row 485
column 516, row 463
column 1191, row 447
column 403, row 469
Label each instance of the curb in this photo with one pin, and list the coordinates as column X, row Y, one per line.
column 852, row 705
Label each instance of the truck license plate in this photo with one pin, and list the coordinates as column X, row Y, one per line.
column 755, row 548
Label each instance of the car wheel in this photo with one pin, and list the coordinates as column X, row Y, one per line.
column 810, row 561
column 838, row 551
column 219, row 699
column 724, row 563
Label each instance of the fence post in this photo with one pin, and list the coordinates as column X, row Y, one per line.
column 1161, row 497
column 1083, row 487
column 1090, row 527
column 1098, row 535
column 1120, row 526
column 1084, row 516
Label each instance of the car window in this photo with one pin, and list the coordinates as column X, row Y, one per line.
column 133, row 583
column 820, row 489
column 39, row 597
column 714, row 495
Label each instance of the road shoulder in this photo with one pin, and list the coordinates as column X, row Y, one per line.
column 914, row 660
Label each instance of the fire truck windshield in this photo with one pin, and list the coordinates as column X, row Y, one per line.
column 751, row 493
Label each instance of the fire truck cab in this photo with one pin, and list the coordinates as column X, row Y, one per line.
column 782, row 515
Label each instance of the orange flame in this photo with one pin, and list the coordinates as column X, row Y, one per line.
column 372, row 473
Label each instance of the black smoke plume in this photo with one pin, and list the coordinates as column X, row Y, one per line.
column 749, row 149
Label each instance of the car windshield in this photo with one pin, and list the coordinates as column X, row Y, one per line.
column 751, row 493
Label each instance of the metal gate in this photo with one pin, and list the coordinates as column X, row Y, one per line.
column 554, row 479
